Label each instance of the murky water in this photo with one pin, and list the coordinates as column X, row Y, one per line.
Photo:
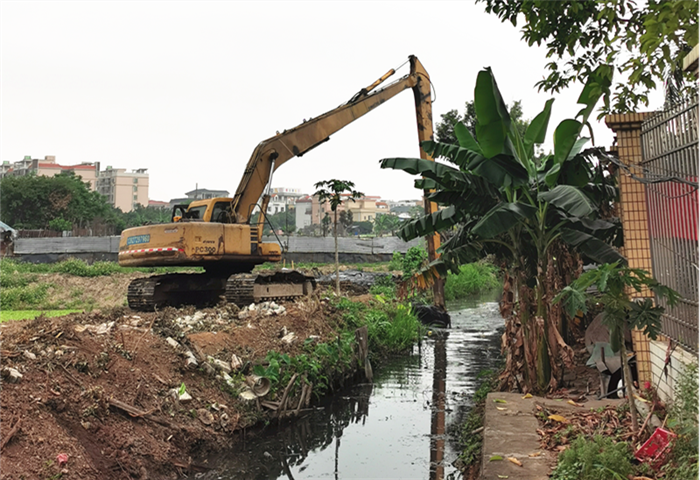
column 398, row 427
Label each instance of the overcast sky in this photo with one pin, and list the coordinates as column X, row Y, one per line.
column 188, row 89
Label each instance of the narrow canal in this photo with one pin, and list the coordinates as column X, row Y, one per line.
column 402, row 425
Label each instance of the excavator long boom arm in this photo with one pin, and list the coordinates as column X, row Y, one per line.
column 270, row 154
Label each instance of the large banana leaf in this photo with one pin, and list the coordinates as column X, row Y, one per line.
column 492, row 118
column 501, row 171
column 570, row 199
column 501, row 218
column 537, row 131
column 456, row 154
column 593, row 248
column 418, row 166
column 429, row 224
column 466, row 139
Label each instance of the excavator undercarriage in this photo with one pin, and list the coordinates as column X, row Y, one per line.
column 204, row 289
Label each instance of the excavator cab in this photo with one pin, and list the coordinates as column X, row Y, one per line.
column 215, row 210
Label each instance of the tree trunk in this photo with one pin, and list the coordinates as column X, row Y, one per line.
column 627, row 378
column 337, row 269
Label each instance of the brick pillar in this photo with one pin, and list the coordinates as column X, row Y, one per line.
column 633, row 214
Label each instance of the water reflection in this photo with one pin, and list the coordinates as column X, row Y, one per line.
column 398, row 427
column 437, row 417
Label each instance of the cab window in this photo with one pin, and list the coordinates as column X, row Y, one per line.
column 221, row 213
column 196, row 213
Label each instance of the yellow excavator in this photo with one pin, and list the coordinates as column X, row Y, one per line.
column 217, row 234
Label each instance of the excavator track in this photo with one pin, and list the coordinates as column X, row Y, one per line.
column 240, row 288
column 246, row 288
column 202, row 289
column 176, row 289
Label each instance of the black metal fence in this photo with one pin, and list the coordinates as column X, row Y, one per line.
column 670, row 162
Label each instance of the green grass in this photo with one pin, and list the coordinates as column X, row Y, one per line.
column 7, row 315
column 12, row 268
column 473, row 278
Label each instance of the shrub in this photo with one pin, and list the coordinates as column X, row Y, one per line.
column 473, row 278
column 599, row 458
column 684, row 421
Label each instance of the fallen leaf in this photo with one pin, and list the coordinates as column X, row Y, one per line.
column 558, row 418
column 501, row 408
column 536, row 454
column 527, row 395
column 571, row 402
column 495, row 458
column 641, row 478
column 515, row 461
column 503, row 476
column 641, row 399
column 498, row 400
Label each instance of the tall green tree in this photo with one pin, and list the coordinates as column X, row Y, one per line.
column 334, row 192
column 33, row 202
column 535, row 214
column 645, row 42
column 386, row 223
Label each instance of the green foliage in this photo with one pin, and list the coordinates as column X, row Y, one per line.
column 613, row 282
column 645, row 41
column 32, row 202
column 599, row 458
column 59, row 224
column 23, row 298
column 141, row 215
column 445, row 128
column 413, row 261
column 396, row 262
column 385, row 287
column 386, row 223
column 683, row 420
column 73, row 266
column 469, row 443
column 472, row 278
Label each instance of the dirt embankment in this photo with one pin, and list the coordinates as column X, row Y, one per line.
column 100, row 393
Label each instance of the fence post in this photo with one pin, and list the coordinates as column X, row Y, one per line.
column 633, row 215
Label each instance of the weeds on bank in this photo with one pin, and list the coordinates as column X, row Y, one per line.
column 22, row 288
column 469, row 442
column 599, row 458
column 473, row 278
column 79, row 268
column 392, row 328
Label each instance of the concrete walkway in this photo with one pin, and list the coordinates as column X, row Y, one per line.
column 510, row 430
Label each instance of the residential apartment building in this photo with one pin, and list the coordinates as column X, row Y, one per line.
column 124, row 190
column 48, row 167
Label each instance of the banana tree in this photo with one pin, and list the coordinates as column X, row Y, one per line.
column 538, row 216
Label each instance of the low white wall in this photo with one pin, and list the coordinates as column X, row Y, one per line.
column 679, row 358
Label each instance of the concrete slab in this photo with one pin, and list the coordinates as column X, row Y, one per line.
column 510, row 430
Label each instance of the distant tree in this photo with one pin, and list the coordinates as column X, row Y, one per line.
column 332, row 191
column 386, row 223
column 141, row 215
column 325, row 224
column 345, row 219
column 32, row 202
column 363, row 228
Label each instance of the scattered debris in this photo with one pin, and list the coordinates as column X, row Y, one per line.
column 11, row 375
column 265, row 308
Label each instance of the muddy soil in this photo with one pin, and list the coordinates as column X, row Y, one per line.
column 100, row 393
